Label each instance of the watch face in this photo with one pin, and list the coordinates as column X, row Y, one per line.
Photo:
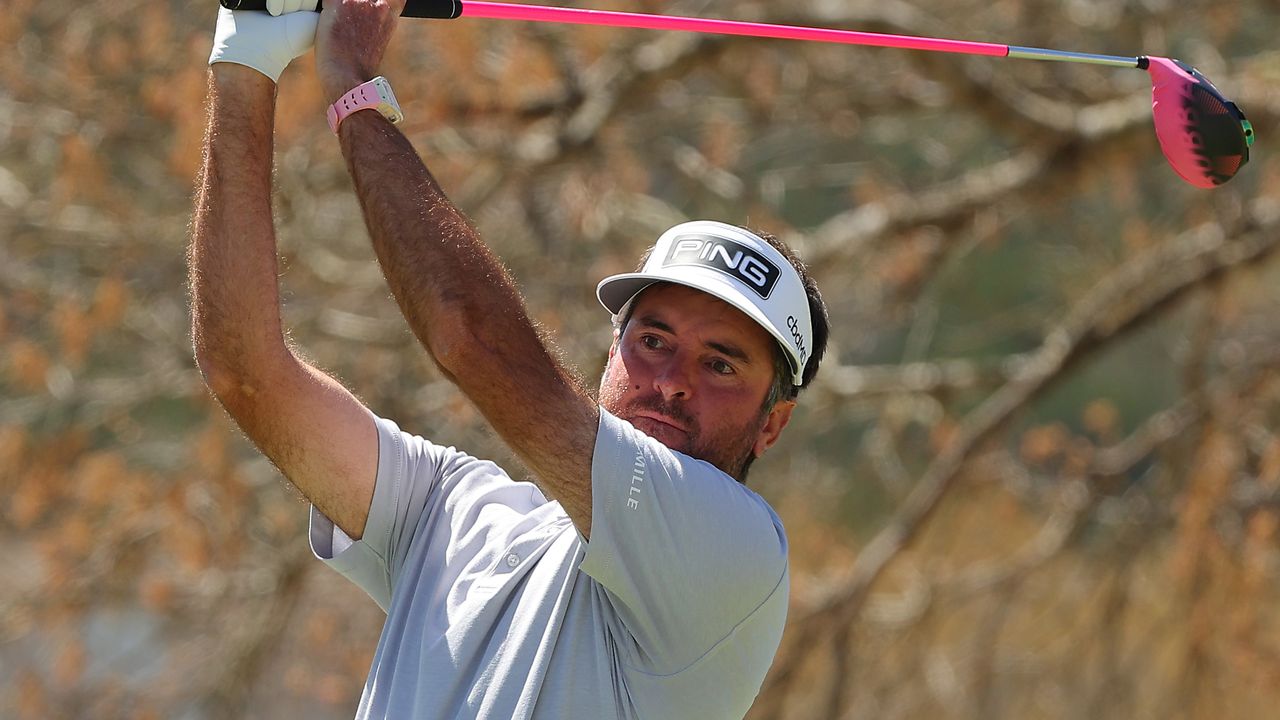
column 384, row 89
column 389, row 107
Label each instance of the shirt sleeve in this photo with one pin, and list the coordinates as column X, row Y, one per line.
column 432, row 507
column 685, row 552
column 407, row 472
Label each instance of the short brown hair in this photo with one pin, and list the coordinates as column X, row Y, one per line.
column 783, row 388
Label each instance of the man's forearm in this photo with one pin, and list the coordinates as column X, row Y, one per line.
column 450, row 286
column 457, row 297
column 232, row 263
column 467, row 312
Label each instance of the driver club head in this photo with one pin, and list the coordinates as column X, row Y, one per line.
column 1204, row 136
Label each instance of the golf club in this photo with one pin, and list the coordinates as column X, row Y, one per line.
column 1204, row 136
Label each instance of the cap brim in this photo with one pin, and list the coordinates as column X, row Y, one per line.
column 616, row 291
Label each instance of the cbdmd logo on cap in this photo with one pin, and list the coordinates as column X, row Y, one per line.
column 739, row 261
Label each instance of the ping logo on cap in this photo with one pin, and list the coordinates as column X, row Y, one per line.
column 735, row 259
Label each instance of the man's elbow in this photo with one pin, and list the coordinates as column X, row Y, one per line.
column 464, row 354
column 224, row 382
column 234, row 378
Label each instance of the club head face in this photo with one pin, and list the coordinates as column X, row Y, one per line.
column 1204, row 136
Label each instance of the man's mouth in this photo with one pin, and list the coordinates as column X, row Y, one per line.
column 661, row 421
column 666, row 430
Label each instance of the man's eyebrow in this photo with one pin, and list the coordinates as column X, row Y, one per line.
column 651, row 321
column 731, row 351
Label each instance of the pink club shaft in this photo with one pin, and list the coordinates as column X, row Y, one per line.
column 576, row 16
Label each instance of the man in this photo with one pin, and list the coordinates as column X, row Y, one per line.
column 636, row 577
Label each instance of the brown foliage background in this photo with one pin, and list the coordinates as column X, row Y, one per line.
column 1039, row 476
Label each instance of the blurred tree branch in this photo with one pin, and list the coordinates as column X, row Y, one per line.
column 1011, row 582
column 1137, row 291
column 247, row 647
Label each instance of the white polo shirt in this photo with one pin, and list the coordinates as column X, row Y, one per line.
column 498, row 609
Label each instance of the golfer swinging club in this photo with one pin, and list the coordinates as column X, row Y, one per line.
column 637, row 576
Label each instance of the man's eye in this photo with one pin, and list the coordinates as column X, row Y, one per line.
column 651, row 341
column 721, row 367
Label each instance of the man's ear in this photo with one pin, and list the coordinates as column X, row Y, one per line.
column 778, row 418
column 613, row 347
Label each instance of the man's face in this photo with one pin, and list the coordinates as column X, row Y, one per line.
column 692, row 372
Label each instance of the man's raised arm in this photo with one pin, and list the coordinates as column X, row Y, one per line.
column 457, row 297
column 315, row 431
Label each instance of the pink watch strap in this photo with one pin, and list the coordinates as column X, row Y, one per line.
column 374, row 94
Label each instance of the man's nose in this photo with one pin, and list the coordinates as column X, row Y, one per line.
column 673, row 381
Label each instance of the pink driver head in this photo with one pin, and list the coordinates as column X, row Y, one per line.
column 1204, row 136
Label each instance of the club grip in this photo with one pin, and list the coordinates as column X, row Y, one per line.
column 437, row 9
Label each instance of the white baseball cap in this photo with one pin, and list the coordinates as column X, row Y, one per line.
column 735, row 265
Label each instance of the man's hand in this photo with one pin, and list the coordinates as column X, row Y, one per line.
column 266, row 43
column 351, row 40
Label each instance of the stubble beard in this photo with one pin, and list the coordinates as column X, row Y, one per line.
column 731, row 449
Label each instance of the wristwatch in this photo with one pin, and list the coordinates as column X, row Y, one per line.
column 372, row 95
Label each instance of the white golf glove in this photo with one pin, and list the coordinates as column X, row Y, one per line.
column 265, row 42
